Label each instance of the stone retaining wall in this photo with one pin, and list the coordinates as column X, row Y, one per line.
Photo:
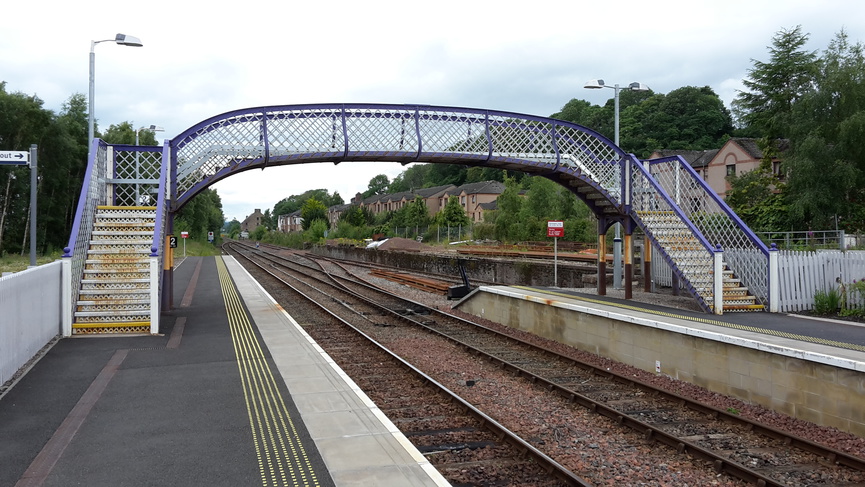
column 513, row 272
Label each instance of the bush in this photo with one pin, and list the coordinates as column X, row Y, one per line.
column 827, row 303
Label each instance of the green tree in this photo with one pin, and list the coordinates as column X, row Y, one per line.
column 414, row 177
column 294, row 203
column 311, row 211
column 758, row 196
column 507, row 215
column 357, row 216
column 686, row 118
column 377, row 185
column 773, row 87
column 202, row 214
column 453, row 214
column 233, row 229
column 122, row 133
column 413, row 214
column 826, row 161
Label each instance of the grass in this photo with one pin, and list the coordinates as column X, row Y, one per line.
column 195, row 248
column 18, row 263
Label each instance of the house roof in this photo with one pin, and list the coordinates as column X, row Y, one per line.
column 752, row 148
column 434, row 191
column 696, row 158
column 483, row 187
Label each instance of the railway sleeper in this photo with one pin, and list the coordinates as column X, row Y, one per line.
column 468, row 445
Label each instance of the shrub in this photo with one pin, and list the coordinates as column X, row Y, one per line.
column 827, row 303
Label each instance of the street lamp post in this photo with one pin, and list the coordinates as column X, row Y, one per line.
column 597, row 84
column 152, row 128
column 120, row 39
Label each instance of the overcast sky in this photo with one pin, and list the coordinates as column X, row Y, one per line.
column 201, row 59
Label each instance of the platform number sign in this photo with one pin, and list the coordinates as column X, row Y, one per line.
column 172, row 241
column 555, row 228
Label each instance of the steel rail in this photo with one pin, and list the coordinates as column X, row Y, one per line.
column 548, row 464
column 720, row 463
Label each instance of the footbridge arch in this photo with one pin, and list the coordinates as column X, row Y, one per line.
column 575, row 156
column 709, row 250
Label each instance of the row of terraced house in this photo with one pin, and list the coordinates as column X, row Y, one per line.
column 475, row 198
column 736, row 157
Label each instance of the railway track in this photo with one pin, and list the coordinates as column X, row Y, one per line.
column 466, row 445
column 730, row 444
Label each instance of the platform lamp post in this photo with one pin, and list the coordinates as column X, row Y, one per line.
column 120, row 39
column 596, row 84
column 152, row 128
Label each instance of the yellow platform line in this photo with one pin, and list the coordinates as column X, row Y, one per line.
column 754, row 329
column 282, row 458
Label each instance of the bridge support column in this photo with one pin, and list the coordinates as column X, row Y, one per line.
column 629, row 262
column 647, row 265
column 602, row 259
column 168, row 267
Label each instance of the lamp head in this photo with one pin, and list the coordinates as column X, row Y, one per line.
column 125, row 40
column 594, row 84
column 635, row 86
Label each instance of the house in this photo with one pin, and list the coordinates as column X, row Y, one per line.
column 698, row 159
column 473, row 196
column 736, row 157
column 252, row 222
column 334, row 213
column 291, row 222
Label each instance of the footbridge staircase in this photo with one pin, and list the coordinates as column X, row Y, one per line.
column 714, row 255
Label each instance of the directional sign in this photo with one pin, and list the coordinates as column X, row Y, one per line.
column 14, row 158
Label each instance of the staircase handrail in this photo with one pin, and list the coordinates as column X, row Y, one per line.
column 716, row 199
column 647, row 194
column 635, row 163
column 92, row 189
column 744, row 252
column 159, row 227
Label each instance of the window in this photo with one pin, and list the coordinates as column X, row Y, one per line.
column 731, row 169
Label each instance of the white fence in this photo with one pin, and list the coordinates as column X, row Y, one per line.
column 801, row 275
column 805, row 273
column 30, row 315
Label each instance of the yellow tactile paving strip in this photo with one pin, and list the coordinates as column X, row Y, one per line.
column 281, row 456
column 765, row 331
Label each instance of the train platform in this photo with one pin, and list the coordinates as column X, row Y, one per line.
column 814, row 336
column 809, row 369
column 232, row 392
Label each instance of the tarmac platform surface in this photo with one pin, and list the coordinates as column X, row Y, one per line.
column 232, row 393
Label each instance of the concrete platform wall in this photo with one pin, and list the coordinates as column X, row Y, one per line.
column 30, row 315
column 823, row 393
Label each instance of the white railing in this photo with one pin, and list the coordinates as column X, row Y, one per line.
column 31, row 303
column 803, row 274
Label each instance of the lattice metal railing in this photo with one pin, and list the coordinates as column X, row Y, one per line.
column 680, row 242
column 93, row 193
column 135, row 175
column 745, row 254
column 403, row 133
